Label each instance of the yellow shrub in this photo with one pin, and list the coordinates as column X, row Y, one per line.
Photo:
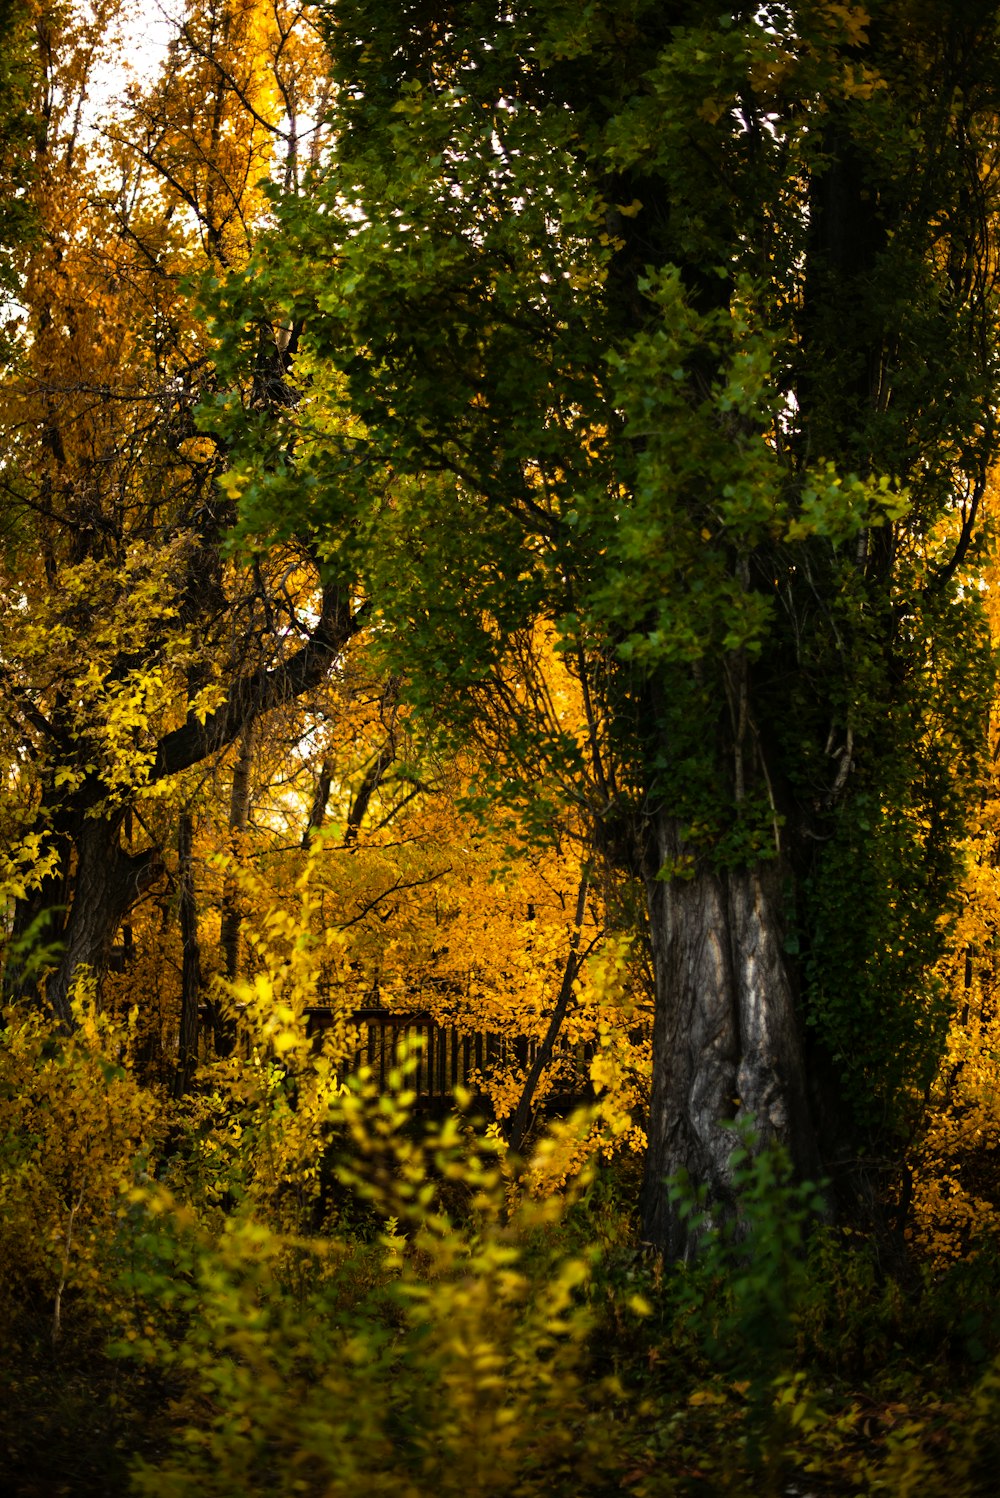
column 438, row 1360
column 74, row 1131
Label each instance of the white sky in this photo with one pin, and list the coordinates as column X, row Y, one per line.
column 146, row 30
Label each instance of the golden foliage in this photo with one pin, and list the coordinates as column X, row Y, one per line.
column 956, row 1164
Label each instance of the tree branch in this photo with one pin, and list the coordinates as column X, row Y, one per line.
column 262, row 690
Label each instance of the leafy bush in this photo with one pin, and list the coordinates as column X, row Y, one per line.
column 430, row 1361
column 309, row 1288
column 75, row 1132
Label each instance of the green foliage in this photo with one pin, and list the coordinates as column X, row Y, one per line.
column 752, row 1272
column 882, row 896
column 652, row 342
column 17, row 139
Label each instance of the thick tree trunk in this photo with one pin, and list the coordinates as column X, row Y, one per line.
column 102, row 888
column 726, row 1042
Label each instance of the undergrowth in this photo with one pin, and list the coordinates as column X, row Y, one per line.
column 286, row 1285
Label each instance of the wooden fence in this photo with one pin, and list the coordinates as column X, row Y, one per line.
column 449, row 1056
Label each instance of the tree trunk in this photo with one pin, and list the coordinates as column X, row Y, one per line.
column 726, row 1043
column 223, row 1026
column 39, row 917
column 191, row 963
column 317, row 812
column 239, row 816
column 85, row 910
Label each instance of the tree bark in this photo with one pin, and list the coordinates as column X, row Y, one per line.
column 104, row 885
column 187, row 1054
column 251, row 696
column 726, row 1042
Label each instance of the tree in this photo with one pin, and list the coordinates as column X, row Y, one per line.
column 16, row 89
column 169, row 703
column 676, row 331
column 132, row 649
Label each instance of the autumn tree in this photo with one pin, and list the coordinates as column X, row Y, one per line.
column 132, row 649
column 676, row 331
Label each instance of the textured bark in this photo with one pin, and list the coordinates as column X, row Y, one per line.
column 105, row 884
column 726, row 1043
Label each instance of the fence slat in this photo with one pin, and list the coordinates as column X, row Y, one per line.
column 446, row 1054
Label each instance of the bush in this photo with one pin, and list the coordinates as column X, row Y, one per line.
column 433, row 1361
